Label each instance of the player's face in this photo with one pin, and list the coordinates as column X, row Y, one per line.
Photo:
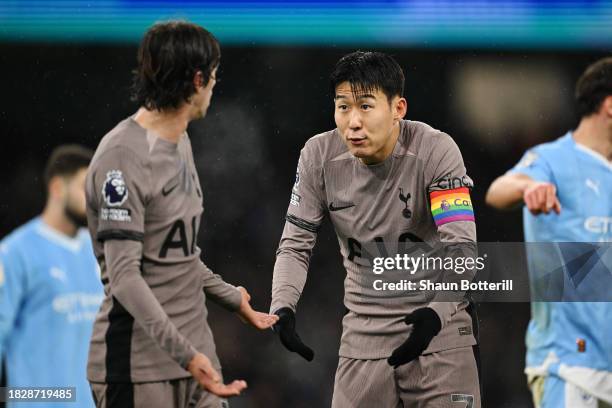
column 201, row 100
column 368, row 122
column 74, row 198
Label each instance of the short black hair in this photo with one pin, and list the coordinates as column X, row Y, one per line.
column 368, row 71
column 67, row 160
column 594, row 86
column 169, row 56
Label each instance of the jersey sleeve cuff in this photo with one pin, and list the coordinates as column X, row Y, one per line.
column 444, row 310
column 234, row 300
column 302, row 223
column 187, row 357
column 120, row 234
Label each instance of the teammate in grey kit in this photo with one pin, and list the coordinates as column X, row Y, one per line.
column 381, row 179
column 152, row 345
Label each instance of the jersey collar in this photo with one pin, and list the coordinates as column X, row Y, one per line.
column 70, row 243
column 596, row 155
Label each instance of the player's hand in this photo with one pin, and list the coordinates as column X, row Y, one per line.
column 288, row 336
column 202, row 370
column 248, row 315
column 541, row 197
column 425, row 326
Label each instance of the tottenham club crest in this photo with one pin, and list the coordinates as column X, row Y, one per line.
column 115, row 191
column 404, row 198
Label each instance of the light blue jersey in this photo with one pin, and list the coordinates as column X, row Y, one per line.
column 576, row 333
column 50, row 292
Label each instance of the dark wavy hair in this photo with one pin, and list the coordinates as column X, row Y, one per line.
column 594, row 86
column 170, row 55
column 369, row 71
column 66, row 161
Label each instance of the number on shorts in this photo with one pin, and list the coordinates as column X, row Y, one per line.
column 468, row 399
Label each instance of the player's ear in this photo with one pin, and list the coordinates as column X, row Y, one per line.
column 198, row 80
column 607, row 106
column 56, row 187
column 400, row 107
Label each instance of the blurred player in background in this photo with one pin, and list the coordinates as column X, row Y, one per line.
column 50, row 286
column 566, row 189
column 152, row 346
column 381, row 179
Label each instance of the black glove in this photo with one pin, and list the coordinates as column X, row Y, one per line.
column 285, row 327
column 425, row 325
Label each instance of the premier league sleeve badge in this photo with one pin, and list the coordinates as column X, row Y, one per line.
column 114, row 191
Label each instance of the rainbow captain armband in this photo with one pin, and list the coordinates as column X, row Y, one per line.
column 451, row 205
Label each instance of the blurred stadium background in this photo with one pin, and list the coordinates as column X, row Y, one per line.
column 498, row 76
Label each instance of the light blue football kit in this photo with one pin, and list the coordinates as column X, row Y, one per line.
column 50, row 292
column 570, row 341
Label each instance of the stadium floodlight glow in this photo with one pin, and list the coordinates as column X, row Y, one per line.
column 509, row 24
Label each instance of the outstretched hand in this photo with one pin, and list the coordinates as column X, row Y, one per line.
column 541, row 197
column 256, row 319
column 202, row 370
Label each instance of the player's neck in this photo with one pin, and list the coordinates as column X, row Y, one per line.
column 54, row 217
column 392, row 142
column 594, row 134
column 167, row 125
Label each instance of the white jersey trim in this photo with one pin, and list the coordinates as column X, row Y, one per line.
column 72, row 244
column 597, row 156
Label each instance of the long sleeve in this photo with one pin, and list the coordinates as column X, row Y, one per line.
column 219, row 291
column 291, row 267
column 449, row 189
column 123, row 205
column 303, row 219
column 128, row 287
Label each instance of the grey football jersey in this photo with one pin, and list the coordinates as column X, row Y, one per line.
column 144, row 204
column 371, row 207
